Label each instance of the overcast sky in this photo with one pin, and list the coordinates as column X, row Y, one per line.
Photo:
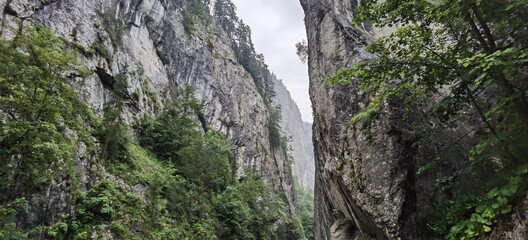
column 276, row 25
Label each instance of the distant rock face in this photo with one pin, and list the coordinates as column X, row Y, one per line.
column 299, row 134
column 147, row 41
column 309, row 166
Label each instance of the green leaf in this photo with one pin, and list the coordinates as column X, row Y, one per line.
column 493, row 193
column 480, row 209
column 507, row 209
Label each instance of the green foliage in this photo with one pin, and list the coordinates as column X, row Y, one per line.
column 176, row 183
column 225, row 14
column 422, row 57
column 203, row 159
column 195, row 12
column 143, row 168
column 275, row 134
column 99, row 48
column 453, row 211
column 218, row 205
column 253, row 63
column 173, row 129
column 188, row 24
column 87, row 52
column 248, row 210
column 58, row 230
column 97, row 207
column 107, row 204
column 114, row 133
column 9, row 219
column 231, row 207
column 306, row 212
column 207, row 162
column 449, row 57
column 113, row 26
column 38, row 110
column 302, row 50
column 496, row 202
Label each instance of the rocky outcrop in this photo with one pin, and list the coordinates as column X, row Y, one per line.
column 299, row 136
column 366, row 181
column 355, row 179
column 149, row 43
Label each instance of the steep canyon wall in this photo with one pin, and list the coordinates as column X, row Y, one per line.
column 367, row 180
column 159, row 47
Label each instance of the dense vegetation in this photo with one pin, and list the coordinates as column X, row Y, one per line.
column 305, row 211
column 461, row 56
column 163, row 178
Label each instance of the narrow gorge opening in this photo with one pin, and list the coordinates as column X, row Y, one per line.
column 193, row 119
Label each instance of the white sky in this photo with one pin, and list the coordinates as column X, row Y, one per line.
column 276, row 25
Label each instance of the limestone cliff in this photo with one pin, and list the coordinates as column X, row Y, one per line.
column 349, row 171
column 160, row 46
column 299, row 136
column 309, row 166
column 367, row 182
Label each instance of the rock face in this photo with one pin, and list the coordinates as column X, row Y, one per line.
column 148, row 41
column 367, row 184
column 299, row 134
column 309, row 166
column 357, row 181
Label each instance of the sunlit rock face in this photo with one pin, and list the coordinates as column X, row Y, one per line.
column 147, row 41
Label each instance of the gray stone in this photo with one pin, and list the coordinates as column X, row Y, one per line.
column 148, row 43
column 299, row 134
column 368, row 173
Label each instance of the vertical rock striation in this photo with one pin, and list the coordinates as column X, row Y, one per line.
column 299, row 136
column 308, row 166
column 355, row 179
